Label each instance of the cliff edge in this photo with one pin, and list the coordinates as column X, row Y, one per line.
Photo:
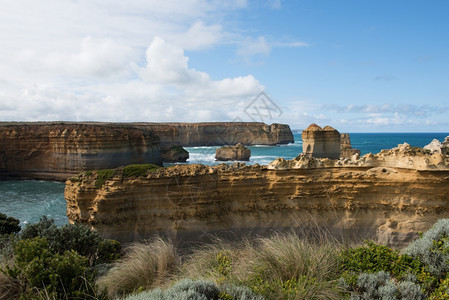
column 221, row 133
column 57, row 151
column 375, row 195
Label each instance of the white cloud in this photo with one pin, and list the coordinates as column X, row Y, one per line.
column 122, row 61
column 164, row 89
column 254, row 46
column 93, row 58
column 199, row 36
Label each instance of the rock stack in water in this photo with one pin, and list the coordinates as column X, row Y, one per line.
column 237, row 152
column 321, row 142
column 346, row 150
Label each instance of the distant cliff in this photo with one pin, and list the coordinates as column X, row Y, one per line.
column 391, row 195
column 59, row 150
column 221, row 133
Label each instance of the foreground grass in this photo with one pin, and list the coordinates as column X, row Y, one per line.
column 46, row 262
column 145, row 266
column 278, row 267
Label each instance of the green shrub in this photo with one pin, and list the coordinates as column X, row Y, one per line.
column 37, row 267
column 373, row 258
column 42, row 228
column 138, row 170
column 188, row 289
column 433, row 249
column 79, row 238
column 8, row 225
column 381, row 286
column 103, row 176
column 108, row 251
column 442, row 292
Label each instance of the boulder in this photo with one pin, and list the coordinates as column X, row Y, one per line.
column 321, row 142
column 237, row 152
column 174, row 153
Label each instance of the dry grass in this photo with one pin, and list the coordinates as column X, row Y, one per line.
column 283, row 266
column 145, row 266
column 8, row 290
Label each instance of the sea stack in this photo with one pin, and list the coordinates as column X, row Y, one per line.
column 237, row 152
column 346, row 150
column 321, row 142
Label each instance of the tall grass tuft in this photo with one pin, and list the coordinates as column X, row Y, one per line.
column 144, row 266
column 283, row 266
column 8, row 289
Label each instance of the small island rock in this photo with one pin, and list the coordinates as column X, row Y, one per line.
column 174, row 153
column 237, row 152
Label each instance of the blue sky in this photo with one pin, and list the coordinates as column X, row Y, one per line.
column 359, row 66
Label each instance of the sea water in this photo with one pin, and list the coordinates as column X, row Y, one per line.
column 29, row 200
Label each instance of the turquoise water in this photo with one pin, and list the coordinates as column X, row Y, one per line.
column 29, row 200
column 366, row 142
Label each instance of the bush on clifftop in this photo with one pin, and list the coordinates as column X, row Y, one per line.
column 8, row 225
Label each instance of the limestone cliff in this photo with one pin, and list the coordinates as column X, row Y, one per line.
column 58, row 150
column 382, row 195
column 221, row 133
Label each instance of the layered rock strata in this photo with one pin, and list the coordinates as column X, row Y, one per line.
column 321, row 142
column 221, row 133
column 390, row 196
column 346, row 150
column 59, row 150
column 237, row 152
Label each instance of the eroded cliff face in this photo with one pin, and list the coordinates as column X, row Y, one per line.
column 221, row 133
column 390, row 202
column 57, row 151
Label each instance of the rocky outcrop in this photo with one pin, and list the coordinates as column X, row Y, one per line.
column 403, row 156
column 437, row 146
column 174, row 153
column 237, row 152
column 390, row 196
column 58, row 150
column 221, row 133
column 346, row 150
column 445, row 146
column 321, row 142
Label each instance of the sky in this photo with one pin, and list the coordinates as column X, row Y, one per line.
column 359, row 66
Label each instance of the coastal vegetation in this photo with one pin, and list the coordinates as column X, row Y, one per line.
column 43, row 261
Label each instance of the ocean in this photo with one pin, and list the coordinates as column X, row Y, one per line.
column 29, row 200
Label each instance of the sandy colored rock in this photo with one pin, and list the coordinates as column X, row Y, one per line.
column 221, row 133
column 321, row 142
column 382, row 196
column 346, row 150
column 59, row 150
column 237, row 152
